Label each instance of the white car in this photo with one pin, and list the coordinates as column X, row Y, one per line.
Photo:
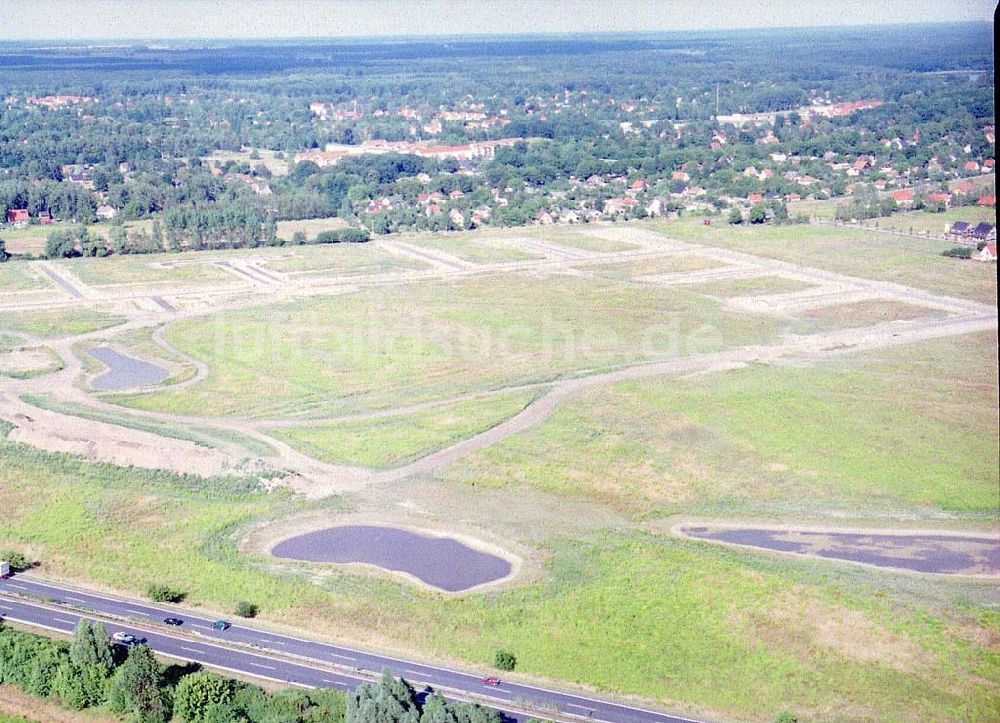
column 124, row 638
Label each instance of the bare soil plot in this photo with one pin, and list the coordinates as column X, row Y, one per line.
column 28, row 361
column 917, row 552
column 147, row 270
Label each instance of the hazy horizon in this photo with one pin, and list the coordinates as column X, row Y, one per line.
column 115, row 20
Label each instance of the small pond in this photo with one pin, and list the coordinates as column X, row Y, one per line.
column 440, row 562
column 934, row 553
column 124, row 372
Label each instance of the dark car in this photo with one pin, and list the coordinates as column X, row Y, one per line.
column 220, row 625
column 491, row 681
column 174, row 621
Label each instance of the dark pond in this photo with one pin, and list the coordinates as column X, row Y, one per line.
column 441, row 562
column 124, row 372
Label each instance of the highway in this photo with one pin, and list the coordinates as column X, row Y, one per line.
column 303, row 662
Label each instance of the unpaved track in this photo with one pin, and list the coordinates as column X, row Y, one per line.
column 317, row 478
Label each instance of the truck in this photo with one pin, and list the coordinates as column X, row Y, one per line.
column 4, row 569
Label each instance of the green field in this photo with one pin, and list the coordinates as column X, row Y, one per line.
column 48, row 323
column 697, row 627
column 756, row 285
column 912, row 428
column 857, row 252
column 933, row 223
column 477, row 248
column 580, row 240
column 144, row 270
column 391, row 441
column 340, row 260
column 19, row 276
column 393, row 346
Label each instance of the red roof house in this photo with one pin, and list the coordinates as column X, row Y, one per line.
column 17, row 215
column 986, row 201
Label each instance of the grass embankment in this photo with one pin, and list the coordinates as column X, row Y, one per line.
column 856, row 252
column 395, row 346
column 223, row 439
column 392, row 441
column 694, row 626
column 51, row 323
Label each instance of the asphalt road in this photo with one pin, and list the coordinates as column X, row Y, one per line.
column 226, row 650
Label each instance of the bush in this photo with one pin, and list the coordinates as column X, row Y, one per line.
column 246, row 609
column 18, row 562
column 504, row 660
column 343, row 235
column 786, row 716
column 958, row 252
column 164, row 593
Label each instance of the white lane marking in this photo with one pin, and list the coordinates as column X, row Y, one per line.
column 265, row 667
column 335, row 682
column 14, row 584
column 574, row 705
column 61, row 620
column 144, row 613
column 192, row 650
column 74, row 599
column 413, row 672
column 342, row 657
column 203, row 627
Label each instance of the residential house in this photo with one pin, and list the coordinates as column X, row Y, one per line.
column 18, row 216
column 106, row 213
column 984, row 232
column 987, row 201
column 960, row 229
column 987, row 253
column 903, row 199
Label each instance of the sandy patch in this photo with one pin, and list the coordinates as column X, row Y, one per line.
column 25, row 361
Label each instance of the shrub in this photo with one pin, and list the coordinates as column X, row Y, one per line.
column 18, row 562
column 958, row 252
column 164, row 593
column 786, row 716
column 343, row 235
column 504, row 660
column 246, row 609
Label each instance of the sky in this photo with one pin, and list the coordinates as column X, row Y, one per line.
column 162, row 19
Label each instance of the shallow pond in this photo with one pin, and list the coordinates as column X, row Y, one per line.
column 124, row 372
column 441, row 562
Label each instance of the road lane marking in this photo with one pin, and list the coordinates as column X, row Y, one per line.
column 192, row 650
column 14, row 584
column 74, row 599
column 342, row 657
column 580, row 707
column 67, row 622
column 144, row 613
column 265, row 667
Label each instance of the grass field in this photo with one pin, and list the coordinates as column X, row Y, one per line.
column 311, row 227
column 749, row 287
column 913, row 428
column 866, row 313
column 857, row 252
column 48, row 323
column 19, row 276
column 391, row 441
column 478, row 248
column 933, row 223
column 144, row 270
column 393, row 346
column 577, row 239
column 695, row 627
column 278, row 167
column 340, row 260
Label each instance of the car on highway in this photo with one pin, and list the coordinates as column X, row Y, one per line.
column 220, row 625
column 491, row 681
column 124, row 638
column 173, row 621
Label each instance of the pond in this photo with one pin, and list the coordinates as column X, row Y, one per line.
column 124, row 372
column 920, row 552
column 441, row 562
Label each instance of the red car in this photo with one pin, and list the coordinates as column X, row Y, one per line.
column 491, row 681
